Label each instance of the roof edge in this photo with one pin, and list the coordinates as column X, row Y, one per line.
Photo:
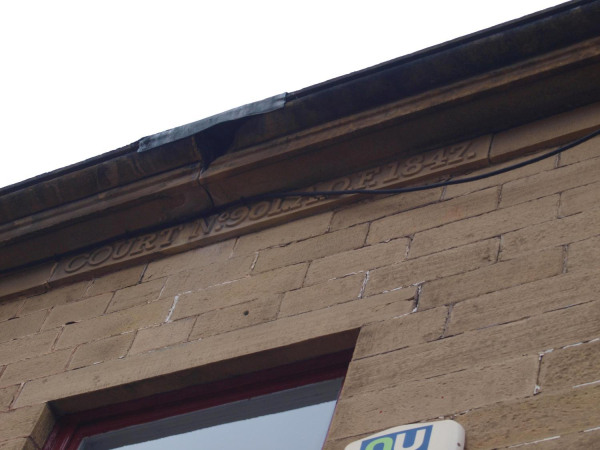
column 334, row 83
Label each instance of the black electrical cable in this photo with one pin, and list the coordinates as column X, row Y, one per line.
column 273, row 195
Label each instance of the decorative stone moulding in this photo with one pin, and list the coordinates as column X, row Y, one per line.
column 245, row 219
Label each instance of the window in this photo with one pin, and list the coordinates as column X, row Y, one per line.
column 295, row 419
column 289, row 407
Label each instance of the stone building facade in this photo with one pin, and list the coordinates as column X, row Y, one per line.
column 130, row 275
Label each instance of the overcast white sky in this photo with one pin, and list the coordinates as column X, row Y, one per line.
column 80, row 78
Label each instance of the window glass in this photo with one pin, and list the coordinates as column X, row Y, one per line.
column 295, row 419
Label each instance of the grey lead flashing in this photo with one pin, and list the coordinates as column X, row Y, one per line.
column 175, row 134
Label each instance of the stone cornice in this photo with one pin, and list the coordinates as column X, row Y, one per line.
column 489, row 103
column 245, row 219
column 409, row 125
column 430, row 166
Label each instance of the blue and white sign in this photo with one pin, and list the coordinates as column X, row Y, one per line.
column 443, row 435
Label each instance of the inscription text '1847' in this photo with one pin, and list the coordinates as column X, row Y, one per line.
column 246, row 219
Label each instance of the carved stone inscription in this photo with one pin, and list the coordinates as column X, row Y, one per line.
column 246, row 219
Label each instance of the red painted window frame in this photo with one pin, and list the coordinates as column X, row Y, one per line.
column 71, row 429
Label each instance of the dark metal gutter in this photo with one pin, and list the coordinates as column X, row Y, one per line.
column 448, row 45
column 460, row 59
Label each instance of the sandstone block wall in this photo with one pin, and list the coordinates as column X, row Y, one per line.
column 476, row 302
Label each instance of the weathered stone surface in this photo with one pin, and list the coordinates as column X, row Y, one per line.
column 378, row 208
column 115, row 323
column 310, row 249
column 193, row 259
column 162, row 336
column 77, row 311
column 309, row 311
column 7, row 395
column 55, row 297
column 355, row 261
column 550, row 234
column 550, row 182
column 18, row 444
column 160, row 199
column 522, row 301
column 401, row 332
column 246, row 219
column 439, row 265
column 407, row 402
column 226, row 186
column 484, row 227
column 492, row 278
column 213, row 274
column 239, row 316
column 22, row 326
column 587, row 150
column 284, row 234
column 136, row 295
column 432, row 216
column 267, row 336
column 301, row 334
column 322, row 295
column 528, row 420
column 116, row 280
column 476, row 348
column 584, row 255
column 9, row 309
column 33, row 368
column 251, row 288
column 572, row 366
column 103, row 350
column 580, row 199
column 498, row 180
column 27, row 347
column 27, row 282
column 555, row 130
column 576, row 441
column 35, row 421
